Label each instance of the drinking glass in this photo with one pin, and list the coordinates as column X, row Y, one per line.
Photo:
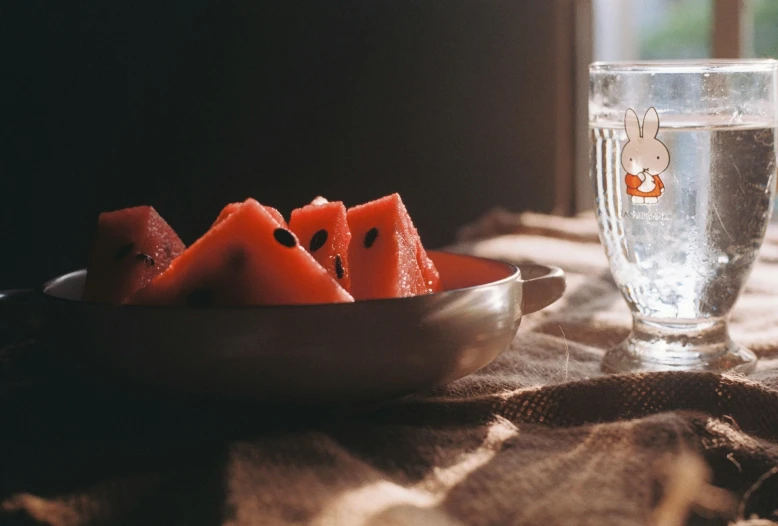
column 683, row 162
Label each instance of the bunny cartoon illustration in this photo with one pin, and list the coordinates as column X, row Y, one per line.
column 644, row 157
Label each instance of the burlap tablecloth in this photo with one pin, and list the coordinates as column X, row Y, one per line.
column 540, row 436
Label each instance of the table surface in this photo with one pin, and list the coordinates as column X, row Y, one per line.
column 540, row 436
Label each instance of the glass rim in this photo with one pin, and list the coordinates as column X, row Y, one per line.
column 685, row 65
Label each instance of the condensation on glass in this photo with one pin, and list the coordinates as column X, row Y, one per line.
column 683, row 164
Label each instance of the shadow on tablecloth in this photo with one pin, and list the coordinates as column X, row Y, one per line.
column 539, row 436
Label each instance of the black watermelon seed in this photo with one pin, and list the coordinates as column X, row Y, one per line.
column 145, row 258
column 285, row 237
column 318, row 240
column 123, row 251
column 238, row 259
column 200, row 298
column 370, row 237
column 338, row 267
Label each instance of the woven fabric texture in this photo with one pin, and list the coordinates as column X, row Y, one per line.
column 540, row 436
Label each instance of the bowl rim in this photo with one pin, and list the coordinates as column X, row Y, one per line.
column 514, row 275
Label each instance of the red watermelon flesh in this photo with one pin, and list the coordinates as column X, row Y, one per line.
column 323, row 230
column 246, row 259
column 230, row 208
column 132, row 246
column 382, row 253
column 427, row 267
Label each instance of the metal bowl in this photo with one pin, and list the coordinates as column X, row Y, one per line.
column 366, row 350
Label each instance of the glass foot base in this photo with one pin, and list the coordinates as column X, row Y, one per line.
column 648, row 349
column 620, row 360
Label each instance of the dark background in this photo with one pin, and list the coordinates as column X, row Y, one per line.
column 192, row 104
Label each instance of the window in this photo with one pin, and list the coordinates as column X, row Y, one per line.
column 668, row 29
column 652, row 29
column 764, row 16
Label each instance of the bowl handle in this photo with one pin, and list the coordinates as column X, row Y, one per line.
column 541, row 286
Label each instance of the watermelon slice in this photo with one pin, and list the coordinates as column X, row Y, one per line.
column 230, row 208
column 132, row 246
column 248, row 258
column 385, row 252
column 322, row 229
column 427, row 267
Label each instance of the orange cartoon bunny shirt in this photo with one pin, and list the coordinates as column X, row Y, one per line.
column 644, row 157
